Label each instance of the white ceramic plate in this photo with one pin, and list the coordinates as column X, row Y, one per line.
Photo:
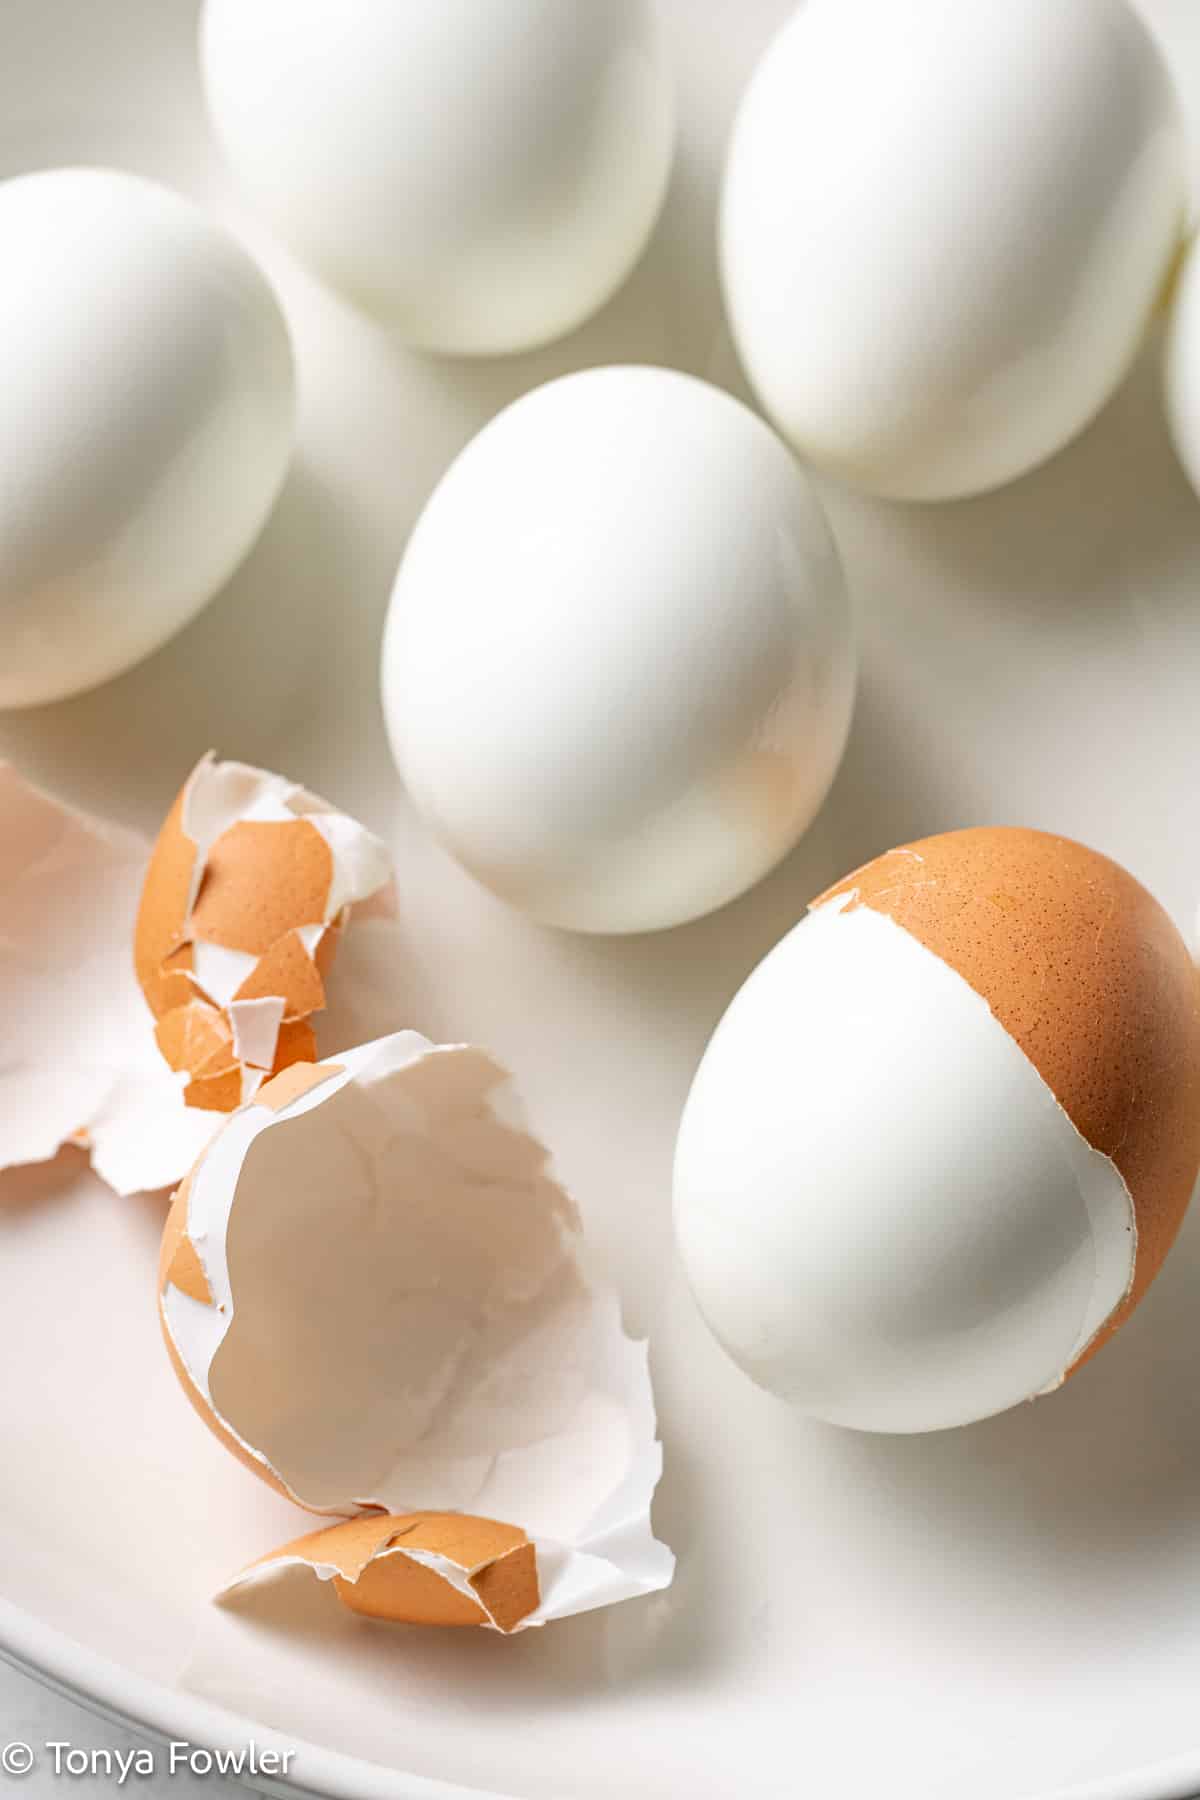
column 998, row 1612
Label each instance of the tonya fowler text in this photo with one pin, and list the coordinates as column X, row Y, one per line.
column 178, row 1757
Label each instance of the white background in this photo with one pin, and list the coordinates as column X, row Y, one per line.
column 993, row 1612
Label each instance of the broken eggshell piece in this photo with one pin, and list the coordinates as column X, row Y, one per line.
column 419, row 1569
column 250, row 883
column 372, row 1290
column 77, row 1064
column 944, row 1136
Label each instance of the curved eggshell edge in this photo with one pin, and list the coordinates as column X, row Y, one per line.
column 174, row 1240
column 162, row 914
column 1090, row 977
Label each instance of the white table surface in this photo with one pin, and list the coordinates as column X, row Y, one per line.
column 33, row 1715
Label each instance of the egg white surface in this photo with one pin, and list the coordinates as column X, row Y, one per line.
column 483, row 172
column 618, row 669
column 884, row 1213
column 146, row 425
column 945, row 228
column 1181, row 367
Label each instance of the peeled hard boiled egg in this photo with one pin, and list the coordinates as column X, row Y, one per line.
column 945, row 227
column 1181, row 367
column 946, row 1132
column 145, row 427
column 483, row 172
column 618, row 667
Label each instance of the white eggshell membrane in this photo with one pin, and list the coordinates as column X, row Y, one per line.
column 146, row 425
column 484, row 172
column 77, row 1060
column 884, row 1213
column 619, row 668
column 400, row 1317
column 945, row 226
column 1181, row 367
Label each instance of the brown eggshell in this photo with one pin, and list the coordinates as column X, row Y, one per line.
column 498, row 1561
column 197, row 1039
column 1092, row 980
column 288, row 972
column 160, row 957
column 261, row 880
column 297, row 1043
column 215, row 1093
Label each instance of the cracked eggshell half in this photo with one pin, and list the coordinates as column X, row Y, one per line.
column 619, row 662
column 372, row 1291
column 945, row 1134
column 146, row 427
column 251, row 881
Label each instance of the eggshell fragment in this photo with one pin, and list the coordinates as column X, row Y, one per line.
column 419, row 1569
column 945, row 1134
column 249, row 885
column 77, row 1064
column 373, row 1293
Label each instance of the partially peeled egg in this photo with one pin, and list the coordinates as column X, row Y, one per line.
column 944, row 1137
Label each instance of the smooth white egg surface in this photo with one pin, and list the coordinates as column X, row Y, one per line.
column 484, row 173
column 145, row 428
column 884, row 1213
column 1181, row 367
column 618, row 668
column 945, row 226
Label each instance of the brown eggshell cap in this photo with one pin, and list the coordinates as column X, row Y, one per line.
column 1092, row 980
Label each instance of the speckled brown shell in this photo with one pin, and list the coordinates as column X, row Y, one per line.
column 1088, row 974
column 499, row 1561
column 261, row 882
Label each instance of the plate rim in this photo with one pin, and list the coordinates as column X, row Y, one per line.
column 166, row 1713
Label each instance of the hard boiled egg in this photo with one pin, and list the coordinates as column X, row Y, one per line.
column 944, row 229
column 944, row 1136
column 483, row 172
column 618, row 667
column 145, row 428
column 1181, row 367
